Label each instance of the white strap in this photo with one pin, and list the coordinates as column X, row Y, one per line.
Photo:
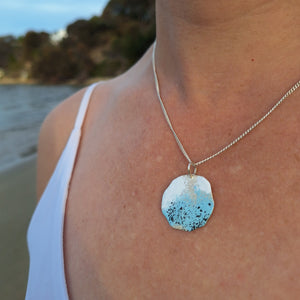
column 84, row 105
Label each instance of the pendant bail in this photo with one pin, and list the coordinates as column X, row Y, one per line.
column 192, row 168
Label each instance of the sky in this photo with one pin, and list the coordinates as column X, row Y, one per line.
column 19, row 16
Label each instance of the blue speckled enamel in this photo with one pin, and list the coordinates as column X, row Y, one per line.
column 187, row 203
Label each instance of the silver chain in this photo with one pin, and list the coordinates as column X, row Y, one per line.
column 191, row 163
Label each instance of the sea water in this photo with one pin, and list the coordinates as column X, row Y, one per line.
column 22, row 111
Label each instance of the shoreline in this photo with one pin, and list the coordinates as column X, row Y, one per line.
column 11, row 81
column 7, row 167
column 19, row 81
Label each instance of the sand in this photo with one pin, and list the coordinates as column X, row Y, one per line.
column 17, row 203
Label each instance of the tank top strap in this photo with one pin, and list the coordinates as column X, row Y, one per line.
column 83, row 106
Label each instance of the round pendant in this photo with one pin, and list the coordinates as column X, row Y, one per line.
column 187, row 203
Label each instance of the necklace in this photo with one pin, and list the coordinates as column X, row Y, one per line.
column 188, row 203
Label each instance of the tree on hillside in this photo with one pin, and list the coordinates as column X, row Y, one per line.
column 141, row 10
column 7, row 44
column 104, row 45
column 33, row 42
column 58, row 64
column 135, row 22
column 88, row 32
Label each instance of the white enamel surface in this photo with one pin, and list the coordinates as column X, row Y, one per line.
column 180, row 183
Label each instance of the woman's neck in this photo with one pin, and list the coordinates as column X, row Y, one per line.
column 207, row 50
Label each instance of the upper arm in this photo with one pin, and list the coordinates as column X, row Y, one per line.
column 53, row 136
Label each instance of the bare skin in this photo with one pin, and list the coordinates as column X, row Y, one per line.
column 117, row 244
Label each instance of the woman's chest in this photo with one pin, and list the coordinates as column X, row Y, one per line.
column 118, row 245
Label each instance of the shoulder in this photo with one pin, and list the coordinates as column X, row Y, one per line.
column 54, row 133
column 58, row 124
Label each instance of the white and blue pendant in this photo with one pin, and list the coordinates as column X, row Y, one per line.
column 188, row 203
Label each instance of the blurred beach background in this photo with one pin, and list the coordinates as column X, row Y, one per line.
column 41, row 64
column 22, row 110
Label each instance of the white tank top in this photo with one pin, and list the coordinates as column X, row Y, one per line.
column 46, row 279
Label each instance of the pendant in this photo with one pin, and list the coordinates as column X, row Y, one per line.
column 187, row 203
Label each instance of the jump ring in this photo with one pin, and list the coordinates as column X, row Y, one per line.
column 190, row 171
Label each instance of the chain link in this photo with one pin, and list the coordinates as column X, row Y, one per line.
column 191, row 163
